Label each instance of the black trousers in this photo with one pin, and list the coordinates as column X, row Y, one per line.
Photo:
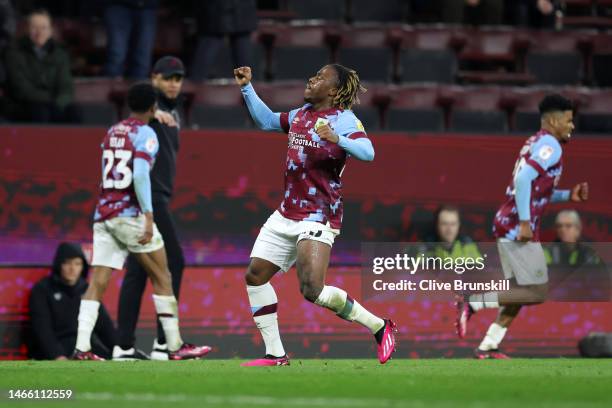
column 135, row 278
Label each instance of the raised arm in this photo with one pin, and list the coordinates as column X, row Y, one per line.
column 264, row 118
column 350, row 135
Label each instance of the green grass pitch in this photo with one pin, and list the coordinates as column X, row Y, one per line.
column 555, row 383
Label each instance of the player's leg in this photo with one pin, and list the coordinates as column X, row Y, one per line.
column 264, row 305
column 166, row 305
column 272, row 251
column 525, row 295
column 119, row 28
column 108, row 254
column 176, row 264
column 152, row 257
column 143, row 40
column 525, row 265
column 312, row 263
column 489, row 346
column 90, row 304
column 130, row 299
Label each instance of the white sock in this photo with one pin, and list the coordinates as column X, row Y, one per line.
column 488, row 300
column 88, row 315
column 348, row 308
column 264, row 304
column 167, row 312
column 494, row 336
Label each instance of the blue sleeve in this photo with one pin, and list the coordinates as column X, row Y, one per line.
column 361, row 148
column 264, row 118
column 522, row 191
column 142, row 184
column 353, row 138
column 145, row 143
column 559, row 196
column 546, row 152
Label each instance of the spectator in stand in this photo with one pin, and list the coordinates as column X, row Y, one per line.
column 472, row 12
column 39, row 82
column 218, row 19
column 569, row 249
column 54, row 308
column 130, row 27
column 448, row 242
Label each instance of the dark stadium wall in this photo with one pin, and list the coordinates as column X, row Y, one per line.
column 229, row 182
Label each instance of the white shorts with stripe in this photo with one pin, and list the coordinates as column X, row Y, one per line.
column 277, row 241
column 114, row 239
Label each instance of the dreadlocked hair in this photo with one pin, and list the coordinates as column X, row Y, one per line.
column 349, row 87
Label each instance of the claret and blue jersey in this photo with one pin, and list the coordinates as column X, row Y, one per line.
column 313, row 189
column 536, row 174
column 128, row 151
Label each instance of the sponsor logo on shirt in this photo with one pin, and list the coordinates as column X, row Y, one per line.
column 296, row 140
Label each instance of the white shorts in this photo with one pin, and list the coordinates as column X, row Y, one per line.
column 524, row 261
column 277, row 241
column 114, row 239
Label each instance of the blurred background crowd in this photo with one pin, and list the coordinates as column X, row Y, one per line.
column 460, row 65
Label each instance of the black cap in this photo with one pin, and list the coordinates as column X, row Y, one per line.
column 169, row 66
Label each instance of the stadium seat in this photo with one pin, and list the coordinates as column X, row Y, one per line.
column 360, row 59
column 369, row 108
column 492, row 56
column 554, row 58
column 415, row 109
column 92, row 97
column 318, row 9
column 602, row 60
column 282, row 96
column 219, row 106
column 299, row 50
column 526, row 118
column 594, row 116
column 428, row 66
column 367, row 50
column 382, row 11
column 426, row 55
column 223, row 66
column 489, row 46
column 477, row 109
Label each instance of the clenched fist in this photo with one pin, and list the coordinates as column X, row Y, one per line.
column 580, row 192
column 243, row 75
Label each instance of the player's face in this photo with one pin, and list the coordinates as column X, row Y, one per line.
column 448, row 226
column 40, row 29
column 71, row 270
column 170, row 87
column 321, row 86
column 564, row 125
column 567, row 229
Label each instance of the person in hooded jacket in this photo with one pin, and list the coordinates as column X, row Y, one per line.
column 54, row 309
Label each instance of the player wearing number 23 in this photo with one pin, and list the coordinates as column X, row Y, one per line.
column 124, row 142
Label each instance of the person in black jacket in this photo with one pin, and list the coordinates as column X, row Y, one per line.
column 54, row 309
column 167, row 78
column 217, row 19
column 39, row 81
